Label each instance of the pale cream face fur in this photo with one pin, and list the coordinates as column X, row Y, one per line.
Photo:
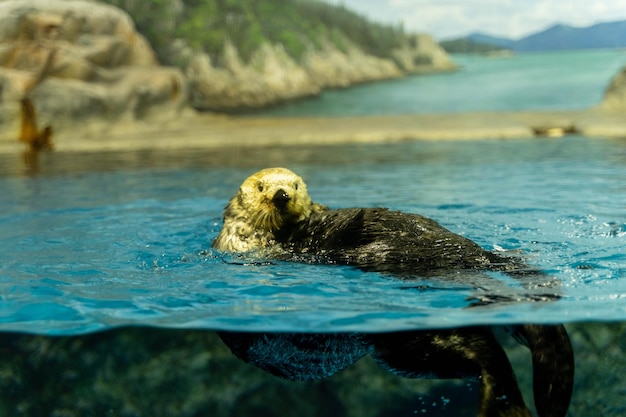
column 266, row 201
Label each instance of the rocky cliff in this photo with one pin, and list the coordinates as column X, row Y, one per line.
column 67, row 64
column 272, row 76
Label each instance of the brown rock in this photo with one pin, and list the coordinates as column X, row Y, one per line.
column 100, row 67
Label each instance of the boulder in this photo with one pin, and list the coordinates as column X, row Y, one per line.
column 79, row 61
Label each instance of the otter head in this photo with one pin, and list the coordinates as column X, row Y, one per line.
column 273, row 198
column 266, row 202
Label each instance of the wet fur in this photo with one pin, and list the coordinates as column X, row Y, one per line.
column 251, row 218
column 407, row 246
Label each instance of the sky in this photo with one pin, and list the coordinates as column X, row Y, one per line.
column 446, row 19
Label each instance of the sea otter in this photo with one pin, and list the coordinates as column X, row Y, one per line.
column 272, row 215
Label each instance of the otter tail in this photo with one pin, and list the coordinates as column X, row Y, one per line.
column 553, row 366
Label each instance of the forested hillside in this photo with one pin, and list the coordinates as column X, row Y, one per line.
column 298, row 25
column 466, row 46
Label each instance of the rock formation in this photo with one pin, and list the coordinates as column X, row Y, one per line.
column 421, row 54
column 272, row 76
column 81, row 65
column 100, row 69
column 615, row 94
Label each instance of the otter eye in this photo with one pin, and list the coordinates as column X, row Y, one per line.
column 259, row 186
column 295, row 186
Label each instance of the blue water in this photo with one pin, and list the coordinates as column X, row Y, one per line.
column 534, row 81
column 93, row 248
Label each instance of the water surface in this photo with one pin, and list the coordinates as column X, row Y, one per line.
column 570, row 80
column 91, row 250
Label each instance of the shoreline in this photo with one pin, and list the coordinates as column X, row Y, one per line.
column 211, row 131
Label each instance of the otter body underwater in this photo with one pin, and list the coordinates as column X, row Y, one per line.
column 273, row 215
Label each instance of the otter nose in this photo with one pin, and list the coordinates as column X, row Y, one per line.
column 281, row 198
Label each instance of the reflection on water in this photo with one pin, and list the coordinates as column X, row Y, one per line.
column 245, row 158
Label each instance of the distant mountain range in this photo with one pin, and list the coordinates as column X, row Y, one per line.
column 562, row 37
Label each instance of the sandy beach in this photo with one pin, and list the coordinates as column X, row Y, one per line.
column 209, row 131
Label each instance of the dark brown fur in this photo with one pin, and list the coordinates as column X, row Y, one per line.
column 409, row 246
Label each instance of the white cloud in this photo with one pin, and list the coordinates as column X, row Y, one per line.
column 511, row 18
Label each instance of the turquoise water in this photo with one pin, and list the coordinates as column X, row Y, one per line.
column 91, row 249
column 535, row 81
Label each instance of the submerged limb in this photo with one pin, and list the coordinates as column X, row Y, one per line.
column 467, row 353
column 553, row 366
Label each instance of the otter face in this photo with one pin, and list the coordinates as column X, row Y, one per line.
column 265, row 203
column 272, row 198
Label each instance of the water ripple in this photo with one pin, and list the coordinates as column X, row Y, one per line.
column 82, row 260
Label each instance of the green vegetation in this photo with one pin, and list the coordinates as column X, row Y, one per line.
column 466, row 46
column 299, row 25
